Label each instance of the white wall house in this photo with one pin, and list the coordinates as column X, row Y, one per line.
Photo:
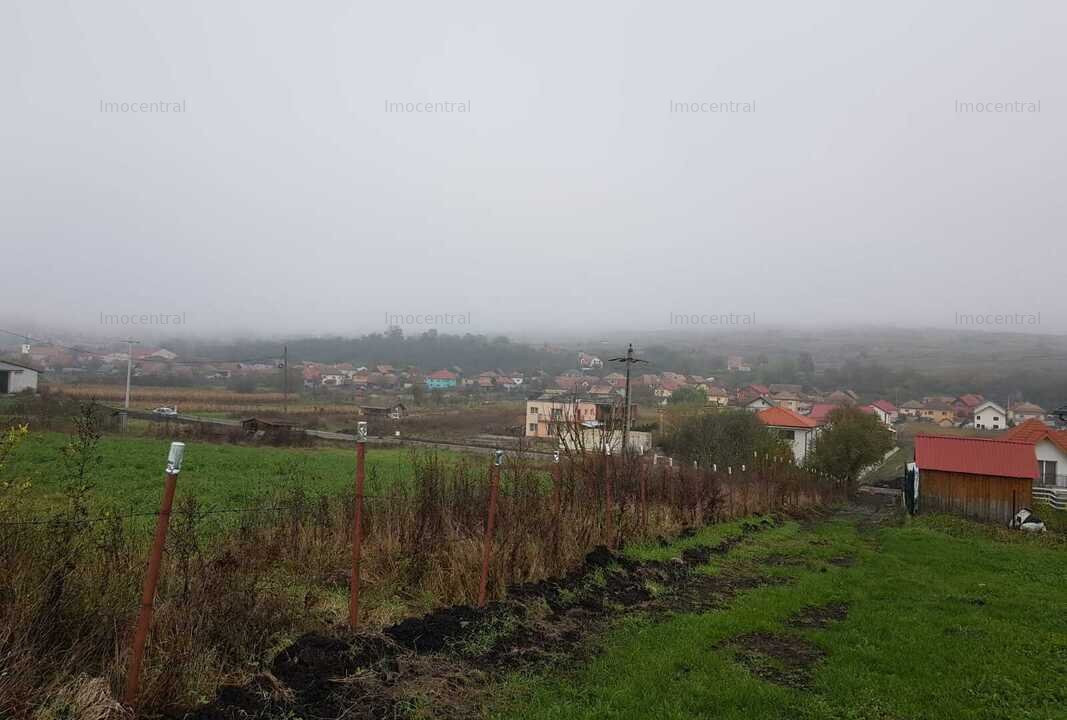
column 760, row 403
column 597, row 439
column 990, row 416
column 797, row 430
column 15, row 377
column 1051, row 463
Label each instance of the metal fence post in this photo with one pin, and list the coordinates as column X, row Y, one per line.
column 557, row 504
column 148, row 593
column 494, row 482
column 644, row 498
column 609, row 498
column 357, row 526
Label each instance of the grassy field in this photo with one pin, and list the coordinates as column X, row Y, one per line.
column 129, row 477
column 940, row 618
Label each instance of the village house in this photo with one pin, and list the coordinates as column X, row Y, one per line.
column 748, row 393
column 882, row 416
column 758, row 404
column 440, row 380
column 939, row 412
column 155, row 354
column 797, row 430
column 885, row 410
column 589, row 362
column 1024, row 411
column 573, row 382
column 545, row 414
column 599, row 439
column 990, row 416
column 666, row 389
column 842, row 397
column 16, row 377
column 912, row 408
column 717, row 396
column 820, row 412
column 1050, row 450
column 965, row 405
column 786, row 399
column 737, row 363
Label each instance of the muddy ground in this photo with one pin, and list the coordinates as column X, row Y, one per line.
column 446, row 658
column 787, row 659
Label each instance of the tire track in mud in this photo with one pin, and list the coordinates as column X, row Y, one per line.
column 447, row 658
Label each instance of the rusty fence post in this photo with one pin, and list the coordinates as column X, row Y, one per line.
column 155, row 559
column 609, row 499
column 557, row 504
column 490, row 520
column 643, row 490
column 357, row 526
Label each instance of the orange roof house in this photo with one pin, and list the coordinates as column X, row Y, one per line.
column 797, row 430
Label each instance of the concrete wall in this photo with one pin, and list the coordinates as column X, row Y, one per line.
column 19, row 379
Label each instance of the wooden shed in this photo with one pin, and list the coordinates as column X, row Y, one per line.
column 980, row 478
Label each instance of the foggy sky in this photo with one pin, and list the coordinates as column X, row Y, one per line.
column 568, row 197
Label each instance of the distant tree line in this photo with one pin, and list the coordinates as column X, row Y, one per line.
column 429, row 350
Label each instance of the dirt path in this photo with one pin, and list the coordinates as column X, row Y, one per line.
column 447, row 658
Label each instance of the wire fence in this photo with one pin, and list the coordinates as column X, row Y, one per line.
column 462, row 532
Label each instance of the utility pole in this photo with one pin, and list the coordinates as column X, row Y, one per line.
column 285, row 379
column 629, row 359
column 129, row 372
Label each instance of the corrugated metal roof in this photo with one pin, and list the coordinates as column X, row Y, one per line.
column 976, row 456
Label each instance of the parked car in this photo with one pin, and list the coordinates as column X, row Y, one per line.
column 166, row 411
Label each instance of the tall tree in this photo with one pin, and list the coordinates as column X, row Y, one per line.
column 853, row 441
column 724, row 438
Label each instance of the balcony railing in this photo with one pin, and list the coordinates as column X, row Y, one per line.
column 1059, row 481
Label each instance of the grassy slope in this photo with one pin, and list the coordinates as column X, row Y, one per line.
column 221, row 475
column 947, row 619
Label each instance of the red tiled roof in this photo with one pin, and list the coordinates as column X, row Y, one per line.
column 441, row 375
column 820, row 412
column 976, row 456
column 885, row 406
column 784, row 417
column 1034, row 431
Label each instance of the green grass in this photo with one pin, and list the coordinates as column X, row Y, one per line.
column 946, row 620
column 707, row 535
column 130, row 476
